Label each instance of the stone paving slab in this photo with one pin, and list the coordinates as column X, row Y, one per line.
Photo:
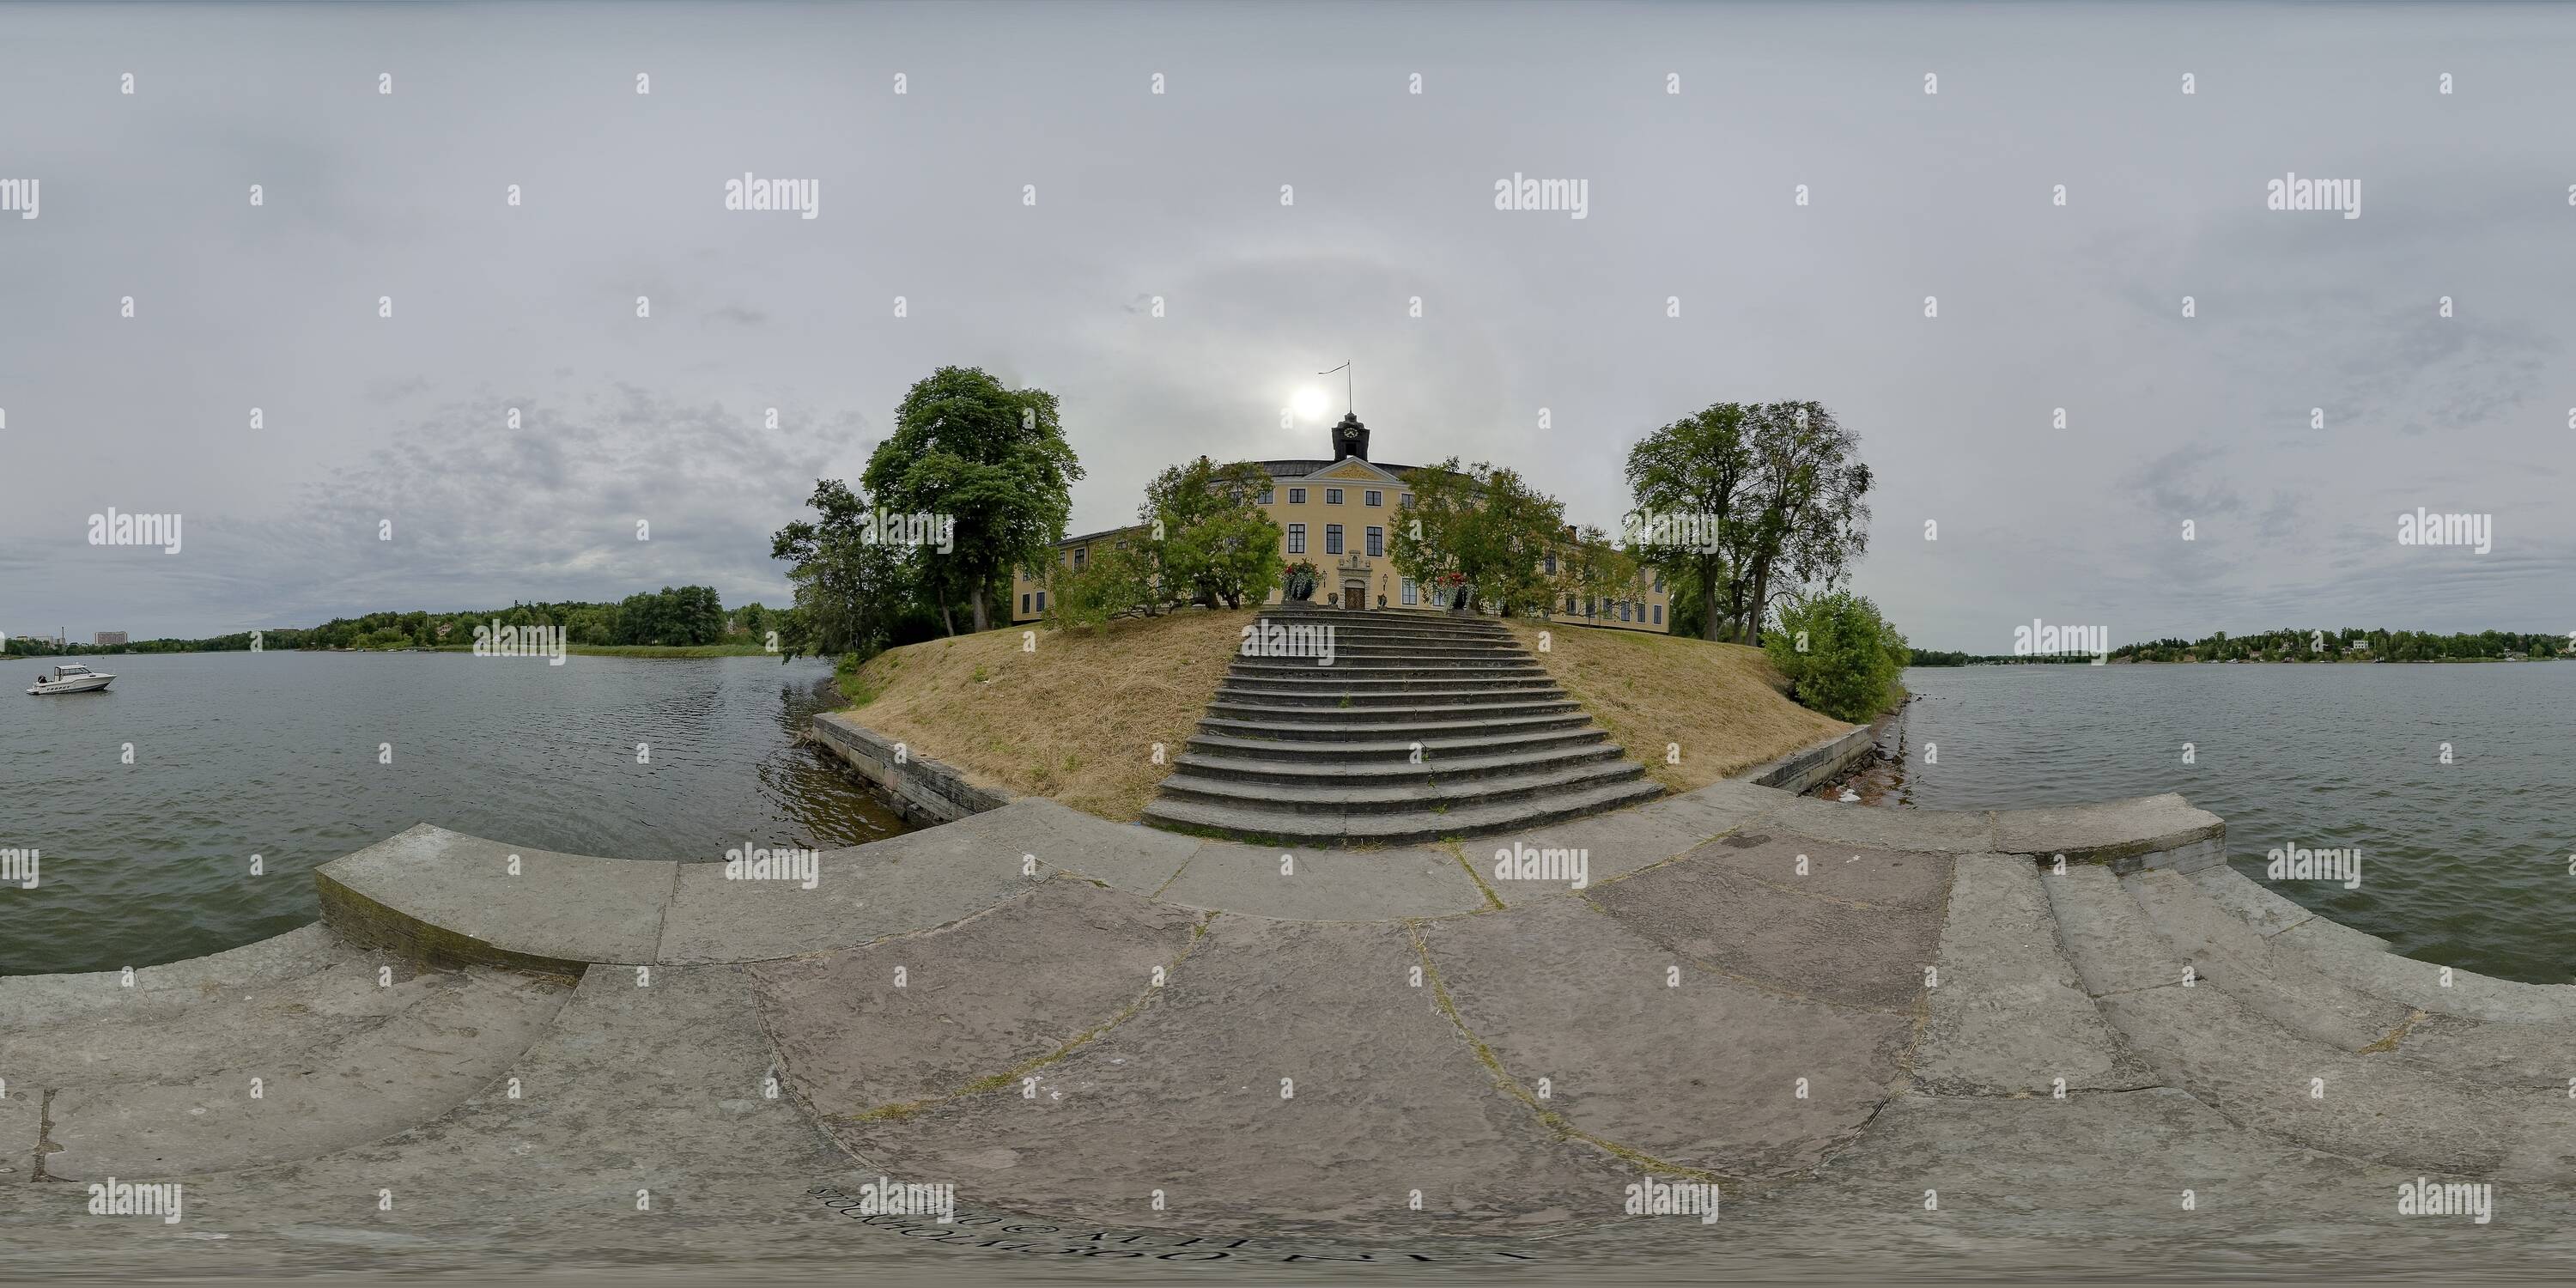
column 1613, row 845
column 1129, row 856
column 2105, row 1165
column 1039, row 971
column 2009, row 1016
column 1876, row 877
column 1326, row 885
column 1690, row 1070
column 2427, row 986
column 30, row 1001
column 2123, row 832
column 276, row 1021
column 1801, row 944
column 2107, row 936
column 2540, row 1056
column 21, row 1118
column 2276, row 982
column 1872, row 827
column 413, row 1067
column 2381, row 1106
column 448, row 899
column 1186, row 1097
column 892, row 887
column 2259, row 906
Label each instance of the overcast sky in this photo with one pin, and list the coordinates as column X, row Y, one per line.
column 1178, row 196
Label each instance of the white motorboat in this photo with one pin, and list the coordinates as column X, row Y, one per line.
column 71, row 677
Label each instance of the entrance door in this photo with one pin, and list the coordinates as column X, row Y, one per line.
column 1354, row 594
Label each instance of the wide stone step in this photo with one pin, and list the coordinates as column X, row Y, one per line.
column 2274, row 981
column 159, row 991
column 1392, row 667
column 275, row 1020
column 1258, row 769
column 1406, row 828
column 1469, row 691
column 1366, row 799
column 1482, row 741
column 463, row 1035
column 2380, row 1104
column 1379, row 726
column 1374, row 714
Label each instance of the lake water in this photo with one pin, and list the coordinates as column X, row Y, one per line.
column 2465, row 864
column 277, row 754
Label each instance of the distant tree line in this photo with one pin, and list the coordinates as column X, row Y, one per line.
column 2350, row 643
column 684, row 615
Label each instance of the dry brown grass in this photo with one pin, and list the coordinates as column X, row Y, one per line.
column 1075, row 721
column 1722, row 702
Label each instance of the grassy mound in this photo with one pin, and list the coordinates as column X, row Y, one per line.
column 1722, row 703
column 1076, row 719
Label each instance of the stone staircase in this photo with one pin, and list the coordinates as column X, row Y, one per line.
column 1425, row 725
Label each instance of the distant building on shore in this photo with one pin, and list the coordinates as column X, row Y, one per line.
column 105, row 638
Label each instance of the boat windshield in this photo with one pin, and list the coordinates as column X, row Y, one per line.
column 71, row 670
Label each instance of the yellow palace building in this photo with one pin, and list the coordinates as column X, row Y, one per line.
column 1339, row 514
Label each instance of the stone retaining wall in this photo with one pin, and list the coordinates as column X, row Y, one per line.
column 1808, row 766
column 923, row 790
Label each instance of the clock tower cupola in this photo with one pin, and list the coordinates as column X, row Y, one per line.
column 1350, row 437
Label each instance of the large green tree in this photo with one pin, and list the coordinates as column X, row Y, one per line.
column 1206, row 536
column 850, row 591
column 1747, row 503
column 1482, row 529
column 992, row 460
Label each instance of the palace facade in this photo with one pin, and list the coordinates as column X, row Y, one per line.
column 1339, row 515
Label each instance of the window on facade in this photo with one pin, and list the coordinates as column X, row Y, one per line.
column 1296, row 538
column 1623, row 610
column 1659, row 614
column 1332, row 496
column 1659, row 581
column 1296, row 496
column 1551, row 563
column 1373, row 497
column 1376, row 542
column 1411, row 595
column 1024, row 603
column 1041, row 601
column 1332, row 538
column 1265, row 496
column 1587, row 606
column 1078, row 553
column 1403, row 499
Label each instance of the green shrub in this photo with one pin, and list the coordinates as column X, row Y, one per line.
column 1113, row 585
column 1840, row 656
